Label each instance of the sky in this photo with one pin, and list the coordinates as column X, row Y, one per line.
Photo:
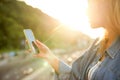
column 69, row 12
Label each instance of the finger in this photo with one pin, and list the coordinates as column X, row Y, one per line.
column 26, row 41
column 43, row 46
column 39, row 55
column 28, row 51
column 39, row 44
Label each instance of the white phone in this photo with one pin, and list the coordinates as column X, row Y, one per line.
column 30, row 38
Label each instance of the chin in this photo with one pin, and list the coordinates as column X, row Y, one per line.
column 95, row 26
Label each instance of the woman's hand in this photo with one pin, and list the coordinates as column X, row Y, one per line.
column 45, row 53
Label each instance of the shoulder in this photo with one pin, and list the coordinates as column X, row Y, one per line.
column 91, row 50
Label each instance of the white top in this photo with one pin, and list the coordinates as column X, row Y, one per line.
column 92, row 70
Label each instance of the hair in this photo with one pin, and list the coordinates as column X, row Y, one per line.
column 112, row 14
column 113, row 17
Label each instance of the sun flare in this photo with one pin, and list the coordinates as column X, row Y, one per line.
column 69, row 12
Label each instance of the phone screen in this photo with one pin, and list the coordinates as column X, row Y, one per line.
column 30, row 38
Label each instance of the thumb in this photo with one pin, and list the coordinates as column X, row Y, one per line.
column 40, row 55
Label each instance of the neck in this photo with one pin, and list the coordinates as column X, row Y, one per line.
column 107, row 41
column 111, row 36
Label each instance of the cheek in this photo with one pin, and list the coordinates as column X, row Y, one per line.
column 95, row 15
column 95, row 20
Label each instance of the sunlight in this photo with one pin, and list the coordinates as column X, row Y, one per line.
column 69, row 12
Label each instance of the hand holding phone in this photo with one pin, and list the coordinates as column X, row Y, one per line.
column 30, row 39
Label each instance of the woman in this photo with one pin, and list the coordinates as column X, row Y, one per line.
column 102, row 60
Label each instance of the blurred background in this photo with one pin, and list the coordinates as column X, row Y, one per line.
column 60, row 24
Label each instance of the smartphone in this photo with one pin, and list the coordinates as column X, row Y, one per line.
column 30, row 38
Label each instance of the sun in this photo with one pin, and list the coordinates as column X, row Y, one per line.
column 69, row 12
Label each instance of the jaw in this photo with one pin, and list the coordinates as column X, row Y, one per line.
column 92, row 25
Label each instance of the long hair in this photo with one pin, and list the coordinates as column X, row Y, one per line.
column 113, row 17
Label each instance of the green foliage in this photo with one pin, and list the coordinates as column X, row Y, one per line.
column 16, row 16
column 10, row 32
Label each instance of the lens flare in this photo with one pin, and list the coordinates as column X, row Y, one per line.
column 69, row 12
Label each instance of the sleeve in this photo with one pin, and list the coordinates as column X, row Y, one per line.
column 77, row 71
column 64, row 72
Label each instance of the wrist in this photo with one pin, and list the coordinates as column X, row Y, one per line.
column 53, row 61
column 51, row 58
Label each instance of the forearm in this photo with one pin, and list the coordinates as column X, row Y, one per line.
column 53, row 61
column 45, row 53
column 62, row 70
